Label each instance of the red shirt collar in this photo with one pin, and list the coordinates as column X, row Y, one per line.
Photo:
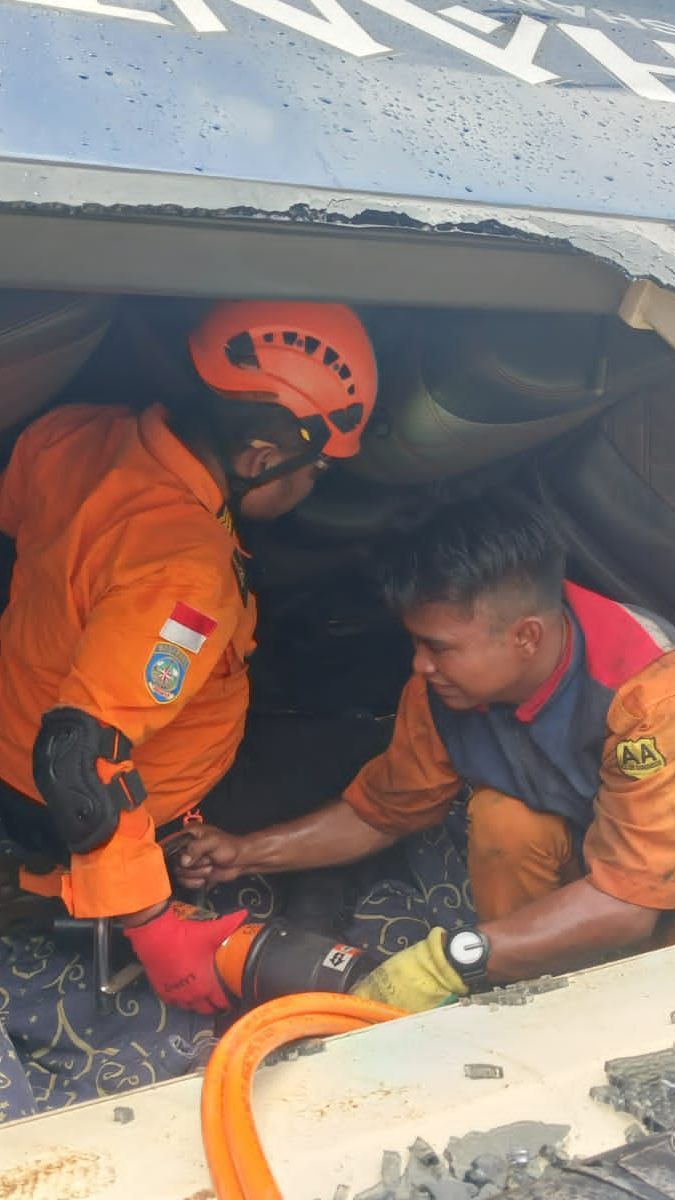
column 529, row 709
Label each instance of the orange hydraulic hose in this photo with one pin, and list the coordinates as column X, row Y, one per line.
column 238, row 1166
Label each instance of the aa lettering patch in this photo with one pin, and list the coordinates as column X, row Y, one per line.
column 187, row 627
column 639, row 758
column 165, row 672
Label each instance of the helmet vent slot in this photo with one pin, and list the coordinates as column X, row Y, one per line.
column 241, row 351
column 346, row 419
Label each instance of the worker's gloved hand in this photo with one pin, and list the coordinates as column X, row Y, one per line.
column 415, row 979
column 177, row 949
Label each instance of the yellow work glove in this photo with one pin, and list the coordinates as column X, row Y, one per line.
column 415, row 979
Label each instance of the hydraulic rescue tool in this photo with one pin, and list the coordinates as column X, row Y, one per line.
column 260, row 962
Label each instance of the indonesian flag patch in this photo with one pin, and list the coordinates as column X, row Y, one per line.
column 187, row 627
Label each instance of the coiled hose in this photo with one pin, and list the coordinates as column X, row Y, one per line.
column 238, row 1166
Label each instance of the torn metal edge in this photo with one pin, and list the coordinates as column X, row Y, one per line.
column 639, row 248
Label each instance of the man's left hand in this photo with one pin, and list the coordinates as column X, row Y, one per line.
column 177, row 949
column 416, row 979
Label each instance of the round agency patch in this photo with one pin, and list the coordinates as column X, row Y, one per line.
column 165, row 672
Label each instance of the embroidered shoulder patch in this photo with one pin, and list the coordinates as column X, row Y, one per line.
column 165, row 672
column 639, row 758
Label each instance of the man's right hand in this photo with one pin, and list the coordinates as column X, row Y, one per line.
column 329, row 836
column 209, row 857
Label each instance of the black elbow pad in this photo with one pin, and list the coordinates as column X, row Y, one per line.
column 86, row 811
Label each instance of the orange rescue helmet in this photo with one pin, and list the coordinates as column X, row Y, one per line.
column 316, row 360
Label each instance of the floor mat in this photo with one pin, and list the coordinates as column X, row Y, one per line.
column 70, row 1053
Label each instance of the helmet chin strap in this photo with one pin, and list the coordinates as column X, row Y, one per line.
column 241, row 485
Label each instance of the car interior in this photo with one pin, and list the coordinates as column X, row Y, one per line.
column 542, row 383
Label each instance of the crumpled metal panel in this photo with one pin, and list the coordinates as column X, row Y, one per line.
column 643, row 1169
column 653, row 1164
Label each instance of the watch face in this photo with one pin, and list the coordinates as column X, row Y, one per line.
column 467, row 948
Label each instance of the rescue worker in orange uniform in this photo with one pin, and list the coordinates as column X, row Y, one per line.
column 555, row 706
column 123, row 676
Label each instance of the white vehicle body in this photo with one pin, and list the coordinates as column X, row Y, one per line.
column 325, row 1118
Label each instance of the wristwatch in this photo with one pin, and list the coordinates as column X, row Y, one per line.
column 468, row 952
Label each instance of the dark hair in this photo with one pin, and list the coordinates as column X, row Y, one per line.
column 475, row 547
column 230, row 422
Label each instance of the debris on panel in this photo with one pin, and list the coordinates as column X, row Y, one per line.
column 644, row 1086
column 483, row 1071
column 479, row 1166
column 519, row 993
column 123, row 1114
column 522, row 1145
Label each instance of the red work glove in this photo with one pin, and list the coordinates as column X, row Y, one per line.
column 177, row 950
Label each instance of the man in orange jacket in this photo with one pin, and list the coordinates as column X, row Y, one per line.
column 123, row 679
column 554, row 708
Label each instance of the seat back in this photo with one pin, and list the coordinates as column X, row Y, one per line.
column 45, row 337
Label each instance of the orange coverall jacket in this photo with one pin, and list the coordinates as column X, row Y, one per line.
column 128, row 601
column 595, row 744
